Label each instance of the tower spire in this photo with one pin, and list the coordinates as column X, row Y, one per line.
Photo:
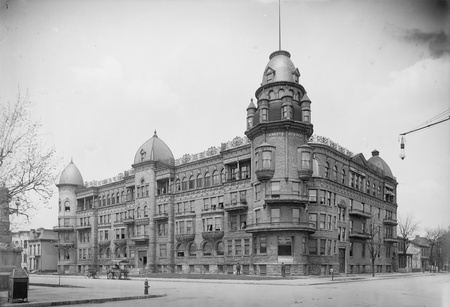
column 279, row 24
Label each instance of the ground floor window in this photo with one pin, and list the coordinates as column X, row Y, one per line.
column 284, row 246
column 262, row 269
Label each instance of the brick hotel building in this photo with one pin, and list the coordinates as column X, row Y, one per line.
column 278, row 195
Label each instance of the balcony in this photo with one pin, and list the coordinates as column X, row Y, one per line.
column 281, row 226
column 161, row 216
column 82, row 227
column 242, row 205
column 283, row 198
column 390, row 239
column 63, row 228
column 304, row 174
column 64, row 245
column 359, row 213
column 104, row 225
column 264, row 174
column 142, row 221
column 128, row 220
column 185, row 237
column 212, row 235
column 104, row 243
column 185, row 214
column 213, row 210
column 358, row 235
column 140, row 238
column 390, row 221
column 120, row 242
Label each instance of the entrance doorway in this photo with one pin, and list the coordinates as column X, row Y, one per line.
column 142, row 259
column 342, row 260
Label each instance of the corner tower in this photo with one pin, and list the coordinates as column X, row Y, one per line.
column 69, row 182
column 279, row 127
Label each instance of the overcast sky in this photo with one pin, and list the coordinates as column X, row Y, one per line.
column 103, row 75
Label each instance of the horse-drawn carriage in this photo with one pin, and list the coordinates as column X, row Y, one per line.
column 91, row 273
column 117, row 270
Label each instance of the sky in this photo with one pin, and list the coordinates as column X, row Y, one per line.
column 102, row 76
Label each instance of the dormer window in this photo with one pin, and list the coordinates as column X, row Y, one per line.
column 295, row 75
column 143, row 153
column 270, row 74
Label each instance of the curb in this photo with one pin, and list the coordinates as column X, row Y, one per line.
column 86, row 301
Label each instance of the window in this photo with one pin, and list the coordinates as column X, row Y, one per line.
column 223, row 176
column 192, row 250
column 257, row 216
column 263, row 245
column 363, row 250
column 312, row 246
column 163, row 250
column 207, row 249
column 296, row 216
column 327, row 170
column 322, row 221
column 207, row 180
column 313, row 219
column 215, row 178
column 257, row 191
column 306, row 160
column 145, row 211
column 177, row 185
column 329, row 222
column 238, row 247
column 67, row 206
column 275, row 215
column 199, row 181
column 245, row 171
column 264, row 113
column 313, row 196
column 184, row 184
column 246, row 246
column 266, row 159
column 284, row 246
column 304, row 245
column 191, row 182
column 220, row 248
column 275, row 185
column 335, row 177
column 323, row 244
column 351, row 249
column 343, row 176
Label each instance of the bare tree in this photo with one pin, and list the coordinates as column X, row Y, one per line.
column 407, row 227
column 27, row 168
column 434, row 237
column 374, row 242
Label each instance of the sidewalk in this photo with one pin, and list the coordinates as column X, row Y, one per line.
column 48, row 295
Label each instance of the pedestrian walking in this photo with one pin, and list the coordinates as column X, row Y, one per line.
column 283, row 269
column 238, row 269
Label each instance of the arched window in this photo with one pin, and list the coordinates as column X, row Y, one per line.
column 113, row 198
column 343, row 176
column 315, row 168
column 272, row 95
column 184, row 184
column 368, row 187
column 108, row 252
column 117, row 253
column 177, row 185
column 117, row 197
column 192, row 250
column 138, row 212
column 373, row 189
column 199, row 181
column 207, row 249
column 215, row 178
column 335, row 177
column 220, row 248
column 124, row 252
column 145, row 211
column 327, row 170
column 67, row 206
column 191, row 182
column 123, row 196
column 223, row 177
column 108, row 200
column 207, row 180
column 281, row 93
column 180, row 250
